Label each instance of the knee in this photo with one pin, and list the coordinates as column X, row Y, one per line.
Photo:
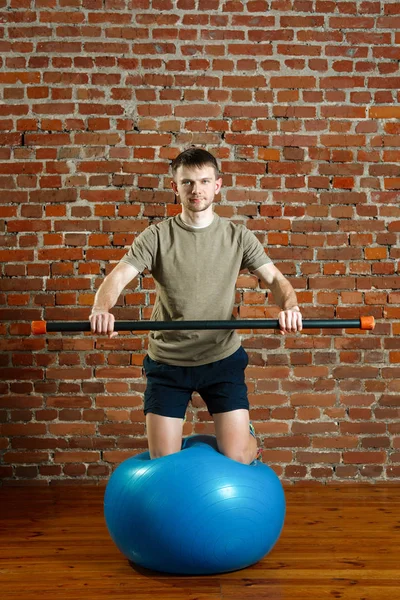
column 239, row 454
column 160, row 452
column 241, row 451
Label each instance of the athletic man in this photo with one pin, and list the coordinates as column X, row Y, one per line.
column 195, row 258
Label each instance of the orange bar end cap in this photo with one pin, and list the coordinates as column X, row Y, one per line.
column 367, row 322
column 38, row 327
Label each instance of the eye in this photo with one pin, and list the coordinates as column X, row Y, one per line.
column 203, row 181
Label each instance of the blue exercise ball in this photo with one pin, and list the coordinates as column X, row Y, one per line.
column 194, row 512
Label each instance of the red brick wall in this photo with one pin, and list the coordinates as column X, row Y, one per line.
column 299, row 101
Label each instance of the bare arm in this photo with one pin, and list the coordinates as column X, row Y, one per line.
column 102, row 321
column 284, row 295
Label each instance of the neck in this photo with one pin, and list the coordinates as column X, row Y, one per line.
column 200, row 219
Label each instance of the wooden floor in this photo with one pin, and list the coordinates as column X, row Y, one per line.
column 338, row 542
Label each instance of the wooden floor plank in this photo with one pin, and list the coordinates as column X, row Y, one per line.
column 337, row 543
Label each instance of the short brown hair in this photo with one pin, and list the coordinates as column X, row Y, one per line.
column 195, row 157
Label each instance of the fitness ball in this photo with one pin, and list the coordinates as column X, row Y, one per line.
column 194, row 512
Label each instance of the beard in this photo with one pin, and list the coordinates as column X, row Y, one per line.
column 198, row 206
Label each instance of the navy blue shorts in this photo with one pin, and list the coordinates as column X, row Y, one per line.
column 221, row 384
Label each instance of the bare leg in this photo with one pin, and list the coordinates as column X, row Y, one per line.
column 164, row 434
column 233, row 435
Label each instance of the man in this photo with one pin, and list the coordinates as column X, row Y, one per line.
column 195, row 258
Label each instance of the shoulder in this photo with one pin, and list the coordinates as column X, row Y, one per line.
column 165, row 224
column 160, row 227
column 239, row 231
column 236, row 233
column 226, row 224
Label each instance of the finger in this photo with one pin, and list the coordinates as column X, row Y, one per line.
column 282, row 323
column 104, row 323
column 299, row 322
column 110, row 324
column 97, row 324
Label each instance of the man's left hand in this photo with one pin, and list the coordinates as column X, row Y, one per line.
column 290, row 321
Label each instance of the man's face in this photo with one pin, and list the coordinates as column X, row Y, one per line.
column 196, row 188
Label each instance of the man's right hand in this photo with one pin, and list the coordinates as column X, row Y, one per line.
column 103, row 322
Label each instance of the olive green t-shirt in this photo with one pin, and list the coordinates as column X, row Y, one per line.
column 195, row 272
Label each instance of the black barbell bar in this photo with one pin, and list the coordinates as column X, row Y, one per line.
column 42, row 327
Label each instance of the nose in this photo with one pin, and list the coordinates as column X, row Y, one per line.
column 195, row 187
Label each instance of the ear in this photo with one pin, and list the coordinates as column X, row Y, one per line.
column 218, row 185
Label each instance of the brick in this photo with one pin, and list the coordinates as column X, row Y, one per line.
column 298, row 441
column 17, row 429
column 118, row 429
column 375, row 253
column 123, row 373
column 69, row 373
column 310, row 372
column 25, row 457
column 42, row 443
column 336, row 442
column 277, row 456
column 76, row 457
column 314, row 428
column 296, row 471
column 355, row 372
column 393, row 472
column 341, row 283
column 317, row 457
column 394, row 357
column 74, row 470
column 16, row 401
column 67, row 429
column 376, row 442
column 313, row 399
column 389, row 400
column 346, row 472
column 21, row 374
column 364, row 457
column 357, row 399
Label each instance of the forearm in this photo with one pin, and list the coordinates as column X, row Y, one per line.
column 284, row 294
column 109, row 291
column 106, row 296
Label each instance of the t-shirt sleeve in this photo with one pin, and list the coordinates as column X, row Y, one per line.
column 254, row 255
column 141, row 254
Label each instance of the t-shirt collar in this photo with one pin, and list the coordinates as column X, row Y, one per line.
column 184, row 225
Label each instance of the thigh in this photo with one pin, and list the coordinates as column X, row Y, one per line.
column 223, row 387
column 168, row 389
column 164, row 434
column 232, row 431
